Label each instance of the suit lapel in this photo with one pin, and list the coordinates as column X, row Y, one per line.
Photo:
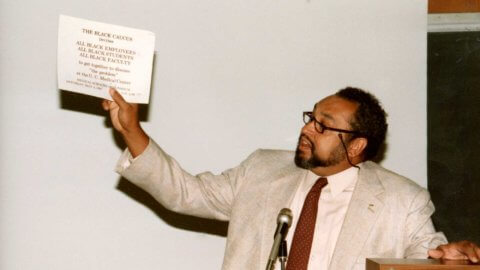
column 280, row 195
column 365, row 207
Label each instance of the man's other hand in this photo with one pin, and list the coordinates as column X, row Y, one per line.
column 463, row 250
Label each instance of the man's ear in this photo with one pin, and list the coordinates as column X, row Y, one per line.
column 357, row 146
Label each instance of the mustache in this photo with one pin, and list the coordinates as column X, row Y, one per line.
column 305, row 137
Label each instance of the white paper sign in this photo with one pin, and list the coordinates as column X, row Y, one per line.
column 94, row 56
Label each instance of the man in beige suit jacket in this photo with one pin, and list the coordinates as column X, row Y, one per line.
column 388, row 215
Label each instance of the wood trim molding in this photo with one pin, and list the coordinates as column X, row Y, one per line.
column 453, row 6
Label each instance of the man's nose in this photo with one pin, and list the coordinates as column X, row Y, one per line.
column 308, row 128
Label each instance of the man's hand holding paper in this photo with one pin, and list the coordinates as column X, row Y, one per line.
column 124, row 118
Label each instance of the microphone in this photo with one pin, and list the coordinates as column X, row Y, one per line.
column 284, row 220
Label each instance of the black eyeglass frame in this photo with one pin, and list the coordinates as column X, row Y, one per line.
column 317, row 124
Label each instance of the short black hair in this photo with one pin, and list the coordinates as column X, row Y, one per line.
column 370, row 120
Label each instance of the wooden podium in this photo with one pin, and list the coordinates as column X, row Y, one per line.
column 419, row 264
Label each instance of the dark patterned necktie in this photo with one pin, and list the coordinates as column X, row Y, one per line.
column 303, row 237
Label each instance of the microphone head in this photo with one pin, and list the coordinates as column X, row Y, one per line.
column 285, row 216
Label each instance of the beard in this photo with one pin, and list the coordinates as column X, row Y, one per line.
column 335, row 157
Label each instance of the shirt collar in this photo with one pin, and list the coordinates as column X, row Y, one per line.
column 339, row 182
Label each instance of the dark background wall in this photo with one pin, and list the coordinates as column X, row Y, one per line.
column 454, row 132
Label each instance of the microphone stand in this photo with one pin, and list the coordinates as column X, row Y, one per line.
column 277, row 242
column 283, row 254
column 279, row 247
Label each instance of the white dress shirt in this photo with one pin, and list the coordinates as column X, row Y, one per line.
column 332, row 207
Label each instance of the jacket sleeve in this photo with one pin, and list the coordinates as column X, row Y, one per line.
column 420, row 232
column 203, row 195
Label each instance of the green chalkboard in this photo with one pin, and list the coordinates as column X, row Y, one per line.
column 454, row 132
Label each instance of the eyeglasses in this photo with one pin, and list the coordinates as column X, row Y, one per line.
column 319, row 127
